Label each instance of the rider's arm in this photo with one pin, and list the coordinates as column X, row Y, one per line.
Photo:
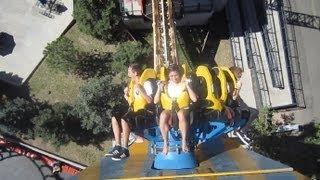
column 236, row 91
column 192, row 94
column 126, row 93
column 157, row 95
column 143, row 93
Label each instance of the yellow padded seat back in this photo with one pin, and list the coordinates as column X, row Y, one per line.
column 182, row 101
column 163, row 74
column 223, row 84
column 166, row 102
column 137, row 103
column 204, row 72
column 185, row 70
column 230, row 78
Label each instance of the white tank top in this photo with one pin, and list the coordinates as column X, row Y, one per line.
column 175, row 90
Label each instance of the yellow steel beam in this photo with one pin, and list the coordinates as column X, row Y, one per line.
column 233, row 173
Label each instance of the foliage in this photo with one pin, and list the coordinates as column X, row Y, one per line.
column 17, row 113
column 282, row 146
column 262, row 130
column 99, row 18
column 61, row 55
column 263, row 126
column 315, row 139
column 93, row 65
column 129, row 52
column 95, row 103
column 52, row 123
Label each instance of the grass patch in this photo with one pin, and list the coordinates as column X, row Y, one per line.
column 52, row 86
column 87, row 43
column 85, row 154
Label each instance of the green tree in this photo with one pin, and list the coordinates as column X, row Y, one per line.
column 99, row 18
column 52, row 123
column 263, row 125
column 61, row 55
column 93, row 65
column 95, row 102
column 16, row 114
column 315, row 138
column 129, row 52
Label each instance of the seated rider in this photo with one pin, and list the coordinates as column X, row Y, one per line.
column 175, row 89
column 229, row 112
column 127, row 119
column 237, row 71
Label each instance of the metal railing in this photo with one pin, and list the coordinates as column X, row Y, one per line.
column 234, row 41
column 304, row 20
column 236, row 51
column 254, row 58
column 272, row 47
column 291, row 53
column 255, row 62
column 43, row 152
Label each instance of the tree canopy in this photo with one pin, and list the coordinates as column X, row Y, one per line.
column 95, row 102
column 129, row 52
column 61, row 55
column 99, row 18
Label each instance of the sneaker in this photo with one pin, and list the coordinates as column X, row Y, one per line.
column 115, row 150
column 231, row 134
column 132, row 138
column 244, row 135
column 124, row 153
column 243, row 138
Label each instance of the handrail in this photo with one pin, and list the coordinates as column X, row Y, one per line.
column 43, row 152
column 216, row 174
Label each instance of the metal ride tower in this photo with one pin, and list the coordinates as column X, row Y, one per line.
column 164, row 38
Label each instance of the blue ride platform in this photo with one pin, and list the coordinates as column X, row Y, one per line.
column 220, row 158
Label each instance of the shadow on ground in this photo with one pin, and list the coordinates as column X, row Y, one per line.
column 293, row 151
column 10, row 90
column 7, row 44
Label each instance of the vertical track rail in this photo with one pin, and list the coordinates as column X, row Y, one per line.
column 164, row 34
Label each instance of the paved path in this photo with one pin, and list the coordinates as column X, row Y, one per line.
column 308, row 41
column 31, row 32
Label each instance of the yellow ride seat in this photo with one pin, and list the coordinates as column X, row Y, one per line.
column 167, row 102
column 162, row 74
column 204, row 72
column 223, row 84
column 185, row 70
column 137, row 103
column 230, row 78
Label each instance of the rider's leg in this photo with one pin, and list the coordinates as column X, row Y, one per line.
column 116, row 131
column 230, row 114
column 126, row 132
column 164, row 128
column 183, row 126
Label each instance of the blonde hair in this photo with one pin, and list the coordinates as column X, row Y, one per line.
column 236, row 70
